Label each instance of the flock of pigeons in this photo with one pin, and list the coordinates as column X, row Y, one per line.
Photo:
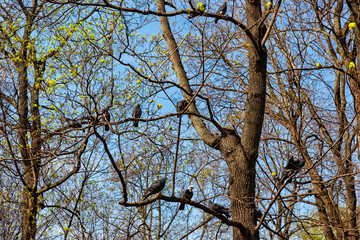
column 293, row 165
column 136, row 114
column 159, row 185
column 180, row 106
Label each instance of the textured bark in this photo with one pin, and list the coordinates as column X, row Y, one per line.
column 29, row 147
column 347, row 169
column 242, row 161
column 241, row 154
column 351, row 198
column 29, row 161
column 345, row 163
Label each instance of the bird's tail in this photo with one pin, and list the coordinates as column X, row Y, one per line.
column 282, row 180
column 216, row 20
column 136, row 123
column 182, row 206
column 107, row 128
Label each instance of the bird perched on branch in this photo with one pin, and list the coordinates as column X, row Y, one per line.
column 187, row 194
column 73, row 123
column 155, row 187
column 137, row 114
column 221, row 11
column 106, row 118
column 180, row 106
column 293, row 165
column 258, row 213
column 219, row 209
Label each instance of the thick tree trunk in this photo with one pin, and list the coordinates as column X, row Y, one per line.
column 241, row 155
column 345, row 163
column 29, row 152
column 29, row 212
column 351, row 198
column 242, row 159
column 29, row 202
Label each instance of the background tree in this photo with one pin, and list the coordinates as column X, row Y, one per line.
column 64, row 63
column 310, row 98
column 42, row 148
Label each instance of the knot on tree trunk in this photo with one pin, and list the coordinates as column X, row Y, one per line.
column 229, row 141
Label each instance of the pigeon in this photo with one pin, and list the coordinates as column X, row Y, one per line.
column 155, row 187
column 106, row 118
column 219, row 209
column 180, row 106
column 137, row 114
column 285, row 174
column 74, row 123
column 293, row 165
column 187, row 194
column 258, row 213
column 221, row 11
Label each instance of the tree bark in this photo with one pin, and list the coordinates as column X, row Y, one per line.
column 241, row 155
column 29, row 151
column 29, row 162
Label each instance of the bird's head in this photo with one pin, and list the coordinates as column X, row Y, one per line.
column 190, row 188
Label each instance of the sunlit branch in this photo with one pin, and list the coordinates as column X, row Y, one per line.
column 271, row 24
column 113, row 163
column 189, row 202
column 75, row 169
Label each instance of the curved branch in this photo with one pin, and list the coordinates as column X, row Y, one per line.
column 200, row 127
column 161, row 13
column 189, row 202
column 113, row 163
column 75, row 170
column 176, row 156
column 197, row 227
column 271, row 24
